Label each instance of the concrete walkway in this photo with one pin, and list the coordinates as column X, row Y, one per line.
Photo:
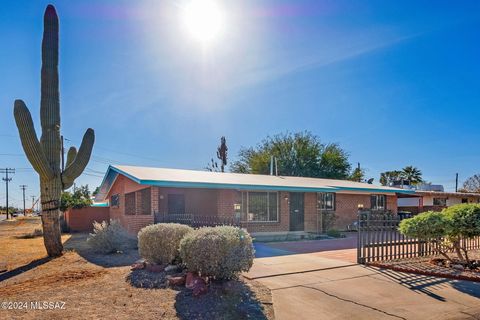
column 289, row 264
column 341, row 290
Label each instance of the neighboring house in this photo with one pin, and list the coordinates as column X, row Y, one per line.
column 139, row 196
column 435, row 200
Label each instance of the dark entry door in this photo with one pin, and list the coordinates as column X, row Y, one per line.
column 296, row 211
column 176, row 204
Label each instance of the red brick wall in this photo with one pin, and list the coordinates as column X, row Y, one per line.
column 347, row 207
column 81, row 220
column 132, row 223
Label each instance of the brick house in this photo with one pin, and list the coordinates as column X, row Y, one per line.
column 138, row 196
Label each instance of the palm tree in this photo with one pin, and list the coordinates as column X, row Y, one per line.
column 390, row 176
column 412, row 174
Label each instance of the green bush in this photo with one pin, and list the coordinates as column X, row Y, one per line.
column 430, row 224
column 464, row 220
column 334, row 233
column 109, row 237
column 219, row 252
column 159, row 243
column 446, row 228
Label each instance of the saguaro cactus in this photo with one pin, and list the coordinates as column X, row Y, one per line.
column 45, row 155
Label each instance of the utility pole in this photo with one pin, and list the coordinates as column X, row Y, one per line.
column 6, row 171
column 33, row 203
column 63, row 155
column 456, row 182
column 23, row 187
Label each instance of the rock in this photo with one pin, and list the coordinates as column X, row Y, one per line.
column 171, row 268
column 189, row 280
column 151, row 267
column 199, row 287
column 196, row 283
column 176, row 281
column 138, row 265
column 458, row 267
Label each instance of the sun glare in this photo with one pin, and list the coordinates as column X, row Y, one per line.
column 204, row 20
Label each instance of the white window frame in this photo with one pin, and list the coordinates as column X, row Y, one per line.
column 377, row 196
column 246, row 196
column 334, row 201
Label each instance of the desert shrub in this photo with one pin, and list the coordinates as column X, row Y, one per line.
column 218, row 252
column 328, row 220
column 335, row 233
column 159, row 243
column 109, row 237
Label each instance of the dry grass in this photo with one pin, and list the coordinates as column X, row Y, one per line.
column 92, row 286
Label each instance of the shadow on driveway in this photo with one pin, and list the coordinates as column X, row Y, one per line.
column 430, row 285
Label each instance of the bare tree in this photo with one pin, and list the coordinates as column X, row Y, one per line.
column 472, row 184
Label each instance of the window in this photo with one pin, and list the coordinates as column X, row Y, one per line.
column 378, row 202
column 261, row 206
column 326, row 201
column 442, row 202
column 176, row 204
column 145, row 197
column 115, row 200
column 130, row 203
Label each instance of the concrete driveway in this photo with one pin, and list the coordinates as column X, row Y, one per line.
column 344, row 249
column 310, row 286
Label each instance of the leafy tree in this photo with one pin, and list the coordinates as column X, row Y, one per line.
column 222, row 152
column 429, row 226
column 446, row 229
column 297, row 154
column 358, row 174
column 464, row 223
column 80, row 198
column 472, row 184
column 390, row 176
column 412, row 174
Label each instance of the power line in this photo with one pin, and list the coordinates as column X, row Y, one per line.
column 12, row 154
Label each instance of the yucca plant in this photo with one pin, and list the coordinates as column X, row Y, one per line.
column 45, row 155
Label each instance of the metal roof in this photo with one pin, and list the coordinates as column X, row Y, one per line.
column 165, row 177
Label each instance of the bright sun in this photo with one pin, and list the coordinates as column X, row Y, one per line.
column 203, row 19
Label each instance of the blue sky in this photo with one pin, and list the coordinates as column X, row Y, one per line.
column 395, row 83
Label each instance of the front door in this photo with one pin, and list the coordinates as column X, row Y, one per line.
column 296, row 211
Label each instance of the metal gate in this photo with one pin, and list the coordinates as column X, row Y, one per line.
column 380, row 240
